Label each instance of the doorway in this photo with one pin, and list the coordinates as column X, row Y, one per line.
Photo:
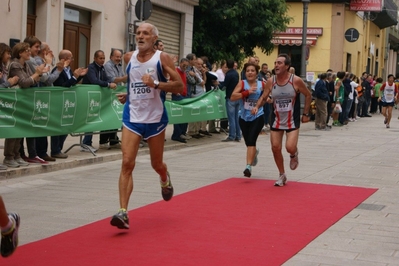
column 295, row 52
column 77, row 32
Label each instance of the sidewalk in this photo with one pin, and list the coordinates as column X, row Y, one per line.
column 77, row 158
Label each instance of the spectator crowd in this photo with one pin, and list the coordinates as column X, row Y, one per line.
column 338, row 97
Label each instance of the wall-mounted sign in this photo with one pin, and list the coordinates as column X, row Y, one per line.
column 351, row 35
column 298, row 31
column 365, row 5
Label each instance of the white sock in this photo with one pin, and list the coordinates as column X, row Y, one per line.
column 8, row 226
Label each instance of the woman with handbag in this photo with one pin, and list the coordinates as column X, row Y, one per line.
column 5, row 81
column 339, row 97
column 26, row 79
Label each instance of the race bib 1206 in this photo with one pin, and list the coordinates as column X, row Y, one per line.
column 139, row 90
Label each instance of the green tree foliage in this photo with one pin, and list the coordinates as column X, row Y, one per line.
column 233, row 28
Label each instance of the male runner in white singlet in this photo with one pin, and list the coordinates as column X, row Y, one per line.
column 144, row 114
column 388, row 98
column 285, row 89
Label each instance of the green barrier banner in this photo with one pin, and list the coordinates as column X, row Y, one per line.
column 52, row 111
column 209, row 106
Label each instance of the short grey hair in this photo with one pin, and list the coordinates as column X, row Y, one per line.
column 155, row 30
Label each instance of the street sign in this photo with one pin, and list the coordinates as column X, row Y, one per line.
column 143, row 9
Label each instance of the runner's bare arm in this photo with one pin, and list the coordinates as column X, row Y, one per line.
column 263, row 98
column 237, row 95
column 127, row 56
column 266, row 92
column 301, row 86
column 175, row 84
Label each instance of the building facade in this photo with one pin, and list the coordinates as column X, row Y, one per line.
column 84, row 26
column 340, row 37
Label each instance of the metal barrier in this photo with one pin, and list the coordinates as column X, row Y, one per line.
column 81, row 135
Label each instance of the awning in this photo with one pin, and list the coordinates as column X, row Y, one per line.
column 294, row 40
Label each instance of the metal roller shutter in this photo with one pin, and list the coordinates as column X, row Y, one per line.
column 169, row 25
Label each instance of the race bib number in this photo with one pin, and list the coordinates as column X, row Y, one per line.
column 140, row 91
column 284, row 105
column 389, row 97
column 249, row 104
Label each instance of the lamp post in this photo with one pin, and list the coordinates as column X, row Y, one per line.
column 304, row 32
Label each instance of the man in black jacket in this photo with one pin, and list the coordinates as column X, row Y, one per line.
column 96, row 75
column 232, row 107
column 366, row 85
column 67, row 78
column 322, row 98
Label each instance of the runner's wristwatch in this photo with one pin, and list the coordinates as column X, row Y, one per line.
column 156, row 83
column 306, row 115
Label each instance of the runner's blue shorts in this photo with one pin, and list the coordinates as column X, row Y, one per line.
column 146, row 130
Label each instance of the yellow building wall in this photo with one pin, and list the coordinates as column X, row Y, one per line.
column 373, row 35
column 319, row 60
column 331, row 50
column 355, row 49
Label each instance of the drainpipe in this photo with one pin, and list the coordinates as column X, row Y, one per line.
column 128, row 36
column 304, row 33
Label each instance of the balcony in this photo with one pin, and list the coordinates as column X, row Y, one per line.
column 387, row 17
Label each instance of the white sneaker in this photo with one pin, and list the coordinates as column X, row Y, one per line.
column 104, row 146
column 88, row 148
column 186, row 137
column 294, row 161
column 10, row 163
column 282, row 180
column 21, row 162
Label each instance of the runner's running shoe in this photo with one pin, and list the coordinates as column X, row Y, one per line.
column 120, row 220
column 167, row 189
column 282, row 180
column 247, row 171
column 9, row 240
column 294, row 161
column 255, row 162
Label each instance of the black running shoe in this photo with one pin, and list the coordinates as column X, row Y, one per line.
column 247, row 172
column 167, row 189
column 120, row 220
column 9, row 240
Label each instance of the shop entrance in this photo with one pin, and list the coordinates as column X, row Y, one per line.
column 295, row 53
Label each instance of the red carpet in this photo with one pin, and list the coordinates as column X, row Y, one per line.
column 234, row 222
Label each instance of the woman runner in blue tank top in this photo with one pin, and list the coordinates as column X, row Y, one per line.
column 248, row 93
